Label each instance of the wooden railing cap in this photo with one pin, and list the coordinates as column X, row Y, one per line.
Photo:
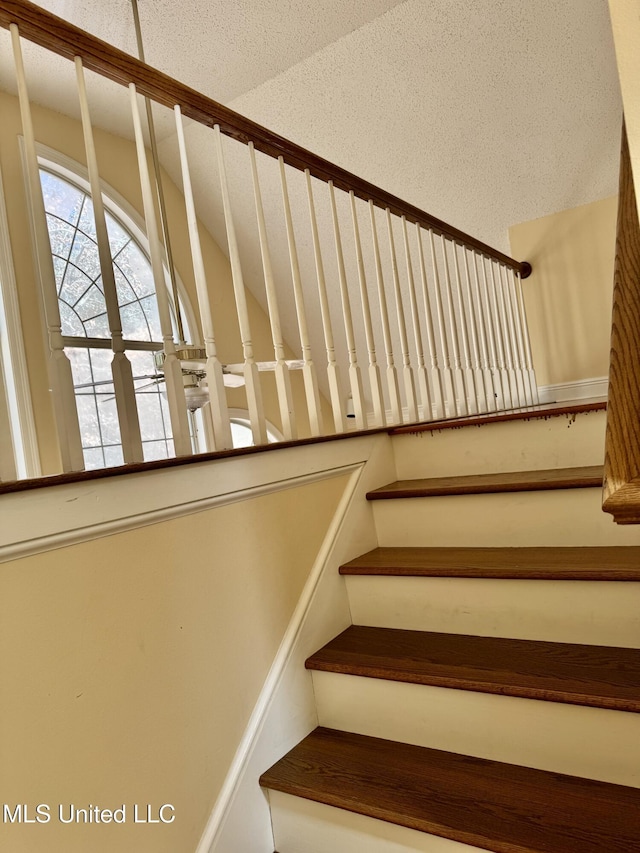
column 63, row 38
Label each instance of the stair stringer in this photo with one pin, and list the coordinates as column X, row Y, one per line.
column 285, row 712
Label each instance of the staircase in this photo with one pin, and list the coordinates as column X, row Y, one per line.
column 487, row 695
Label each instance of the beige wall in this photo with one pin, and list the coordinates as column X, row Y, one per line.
column 568, row 295
column 130, row 664
column 118, row 167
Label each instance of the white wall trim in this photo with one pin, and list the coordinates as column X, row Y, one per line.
column 581, row 389
column 282, row 659
column 40, row 519
column 107, row 528
column 14, row 359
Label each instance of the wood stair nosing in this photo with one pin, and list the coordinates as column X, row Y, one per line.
column 500, row 807
column 475, row 484
column 604, row 563
column 594, row 676
column 542, row 410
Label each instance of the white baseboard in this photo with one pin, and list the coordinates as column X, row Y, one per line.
column 581, row 389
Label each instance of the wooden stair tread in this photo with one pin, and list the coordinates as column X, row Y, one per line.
column 612, row 563
column 495, row 806
column 510, row 481
column 597, row 676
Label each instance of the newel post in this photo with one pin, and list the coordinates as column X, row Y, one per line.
column 622, row 444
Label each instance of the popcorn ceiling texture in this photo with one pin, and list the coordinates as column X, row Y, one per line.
column 222, row 47
column 485, row 114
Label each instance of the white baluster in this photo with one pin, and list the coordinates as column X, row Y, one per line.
column 482, row 375
column 335, row 394
column 58, row 365
column 514, row 391
column 498, row 325
column 377, row 400
column 407, row 370
column 355, row 378
column 480, row 319
column 308, row 369
column 217, row 411
column 436, row 372
column 477, row 403
column 282, row 374
column 172, row 369
column 250, row 371
column 514, row 342
column 421, row 371
column 522, row 315
column 392, row 376
column 447, row 375
column 8, row 469
column 460, row 394
column 496, row 364
column 121, row 371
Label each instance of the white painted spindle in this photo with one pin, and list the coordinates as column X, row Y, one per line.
column 335, row 393
column 8, row 468
column 391, row 373
column 480, row 316
column 436, row 373
column 216, row 412
column 476, row 401
column 281, row 372
column 503, row 327
column 377, row 399
column 522, row 315
column 522, row 380
column 121, row 371
column 407, row 370
column 308, row 368
column 447, row 373
column 58, row 365
column 172, row 369
column 460, row 392
column 250, row 371
column 355, row 378
column 484, row 386
column 496, row 326
column 424, row 393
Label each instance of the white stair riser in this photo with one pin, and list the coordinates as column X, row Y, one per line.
column 605, row 613
column 558, row 442
column 580, row 741
column 302, row 826
column 552, row 518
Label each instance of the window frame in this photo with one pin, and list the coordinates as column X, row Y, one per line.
column 13, row 360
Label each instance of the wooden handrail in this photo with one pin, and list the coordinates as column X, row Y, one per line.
column 622, row 456
column 58, row 36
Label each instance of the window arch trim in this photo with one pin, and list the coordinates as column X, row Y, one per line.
column 121, row 209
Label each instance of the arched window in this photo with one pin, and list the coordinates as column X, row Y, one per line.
column 85, row 324
column 241, row 434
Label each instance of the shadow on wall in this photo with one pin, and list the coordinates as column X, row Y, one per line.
column 568, row 296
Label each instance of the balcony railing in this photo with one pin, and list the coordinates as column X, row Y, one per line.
column 392, row 316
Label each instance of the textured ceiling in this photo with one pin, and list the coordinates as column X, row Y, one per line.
column 484, row 114
column 222, row 48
